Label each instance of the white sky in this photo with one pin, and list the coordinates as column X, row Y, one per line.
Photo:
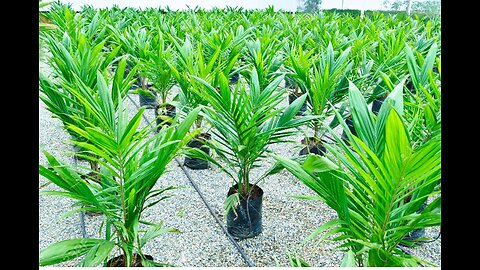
column 290, row 5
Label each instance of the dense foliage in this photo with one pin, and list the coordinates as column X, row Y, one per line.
column 228, row 66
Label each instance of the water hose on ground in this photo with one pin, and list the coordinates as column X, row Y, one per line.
column 82, row 213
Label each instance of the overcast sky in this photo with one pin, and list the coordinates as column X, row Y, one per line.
column 290, row 5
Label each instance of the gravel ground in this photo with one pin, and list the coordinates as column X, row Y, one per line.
column 286, row 221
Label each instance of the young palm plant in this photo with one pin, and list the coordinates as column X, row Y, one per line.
column 131, row 163
column 230, row 44
column 74, row 67
column 246, row 122
column 81, row 57
column 422, row 100
column 376, row 185
column 155, row 67
column 136, row 41
column 157, row 70
column 299, row 61
column 264, row 56
column 44, row 23
column 64, row 18
column 323, row 80
column 388, row 58
column 192, row 62
column 425, row 97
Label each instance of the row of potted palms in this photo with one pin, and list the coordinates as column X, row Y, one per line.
column 376, row 183
column 131, row 161
column 244, row 120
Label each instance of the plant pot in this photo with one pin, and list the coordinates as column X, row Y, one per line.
column 314, row 146
column 246, row 220
column 164, row 115
column 119, row 261
column 417, row 233
column 410, row 87
column 290, row 83
column 291, row 98
column 147, row 101
column 234, row 78
column 198, row 142
column 114, row 67
column 349, row 123
column 377, row 103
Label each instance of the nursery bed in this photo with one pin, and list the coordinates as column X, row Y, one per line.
column 286, row 221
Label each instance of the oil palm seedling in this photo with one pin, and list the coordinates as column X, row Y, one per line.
column 245, row 123
column 44, row 23
column 388, row 58
column 377, row 77
column 136, row 42
column 425, row 99
column 191, row 62
column 156, row 69
column 73, row 68
column 322, row 79
column 89, row 24
column 93, row 25
column 80, row 57
column 298, row 61
column 65, row 19
column 422, row 100
column 131, row 163
column 119, row 20
column 325, row 30
column 230, row 44
column 264, row 56
column 368, row 184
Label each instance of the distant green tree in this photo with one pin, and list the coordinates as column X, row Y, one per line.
column 429, row 7
column 396, row 4
column 309, row 5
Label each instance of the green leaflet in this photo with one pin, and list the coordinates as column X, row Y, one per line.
column 97, row 254
column 70, row 249
column 348, row 259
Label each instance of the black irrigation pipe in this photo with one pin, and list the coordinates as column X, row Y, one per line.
column 403, row 247
column 220, row 223
column 82, row 213
column 82, row 224
column 432, row 240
